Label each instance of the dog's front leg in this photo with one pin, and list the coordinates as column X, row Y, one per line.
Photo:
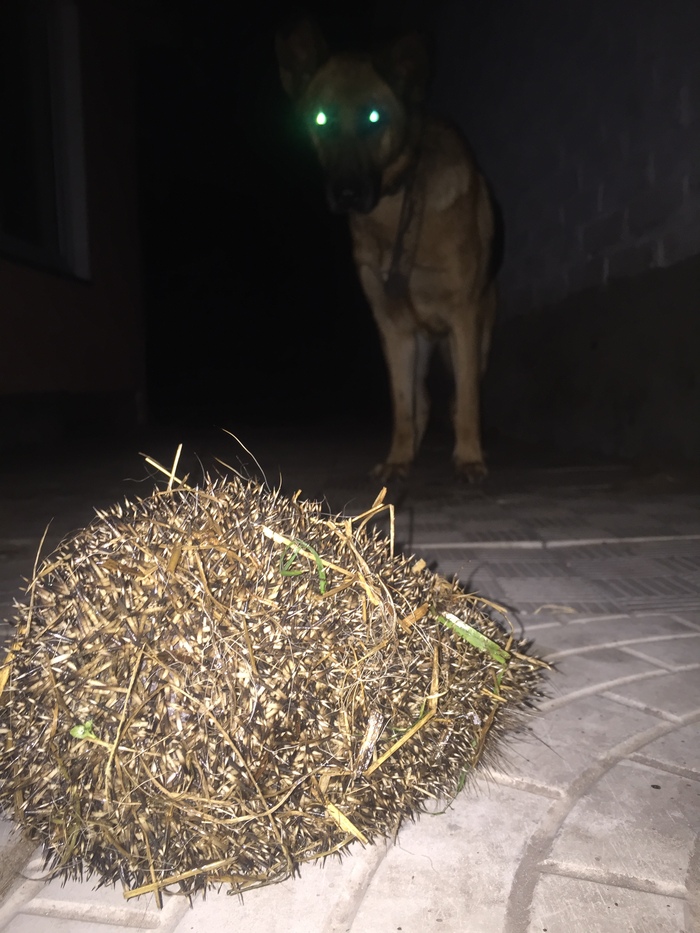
column 407, row 356
column 465, row 352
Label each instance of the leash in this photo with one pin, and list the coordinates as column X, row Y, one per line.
column 407, row 232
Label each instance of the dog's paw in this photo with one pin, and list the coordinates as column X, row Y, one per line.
column 390, row 472
column 471, row 472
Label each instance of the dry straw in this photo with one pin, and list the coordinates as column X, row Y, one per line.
column 216, row 684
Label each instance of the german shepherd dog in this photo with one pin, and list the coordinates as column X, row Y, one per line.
column 421, row 223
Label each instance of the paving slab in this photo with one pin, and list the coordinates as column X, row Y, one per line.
column 454, row 868
column 651, row 632
column 673, row 694
column 34, row 903
column 637, row 825
column 565, row 741
column 678, row 752
column 323, row 899
column 572, row 905
column 595, row 669
column 673, row 653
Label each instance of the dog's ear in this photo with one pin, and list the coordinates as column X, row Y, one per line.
column 404, row 65
column 300, row 53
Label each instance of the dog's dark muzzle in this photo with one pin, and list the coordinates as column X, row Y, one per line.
column 352, row 194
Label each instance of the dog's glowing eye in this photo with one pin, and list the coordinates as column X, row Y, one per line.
column 373, row 116
column 321, row 118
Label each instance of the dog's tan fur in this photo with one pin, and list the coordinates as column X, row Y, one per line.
column 439, row 284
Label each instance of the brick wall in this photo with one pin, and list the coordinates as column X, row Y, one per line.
column 586, row 117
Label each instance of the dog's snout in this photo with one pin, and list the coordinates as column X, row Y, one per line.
column 352, row 194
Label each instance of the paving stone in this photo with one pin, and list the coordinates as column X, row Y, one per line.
column 555, row 590
column 31, row 923
column 601, row 528
column 524, row 556
column 34, row 905
column 86, row 892
column 593, row 634
column 578, row 610
column 479, row 581
column 629, row 567
column 691, row 618
column 570, row 905
column 538, row 624
column 8, row 833
column 565, row 741
column 453, row 866
column 637, row 822
column 677, row 750
column 35, row 923
column 419, row 536
column 676, row 652
column 496, row 529
column 649, row 588
column 636, row 523
column 673, row 694
column 541, row 511
column 299, row 905
column 598, row 667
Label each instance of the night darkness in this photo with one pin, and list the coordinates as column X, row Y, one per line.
column 250, row 293
column 583, row 119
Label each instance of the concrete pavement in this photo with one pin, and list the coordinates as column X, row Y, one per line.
column 590, row 822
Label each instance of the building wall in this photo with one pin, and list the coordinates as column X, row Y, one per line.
column 64, row 337
column 586, row 118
